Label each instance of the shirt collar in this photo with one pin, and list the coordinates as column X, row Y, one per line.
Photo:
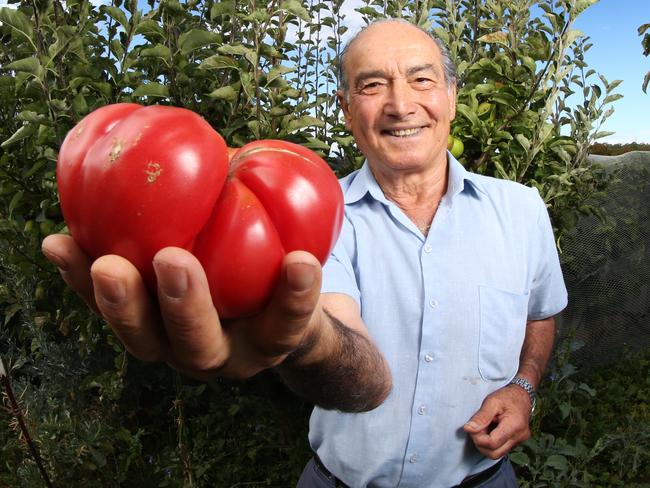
column 364, row 182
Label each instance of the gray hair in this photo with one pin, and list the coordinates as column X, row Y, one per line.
column 447, row 64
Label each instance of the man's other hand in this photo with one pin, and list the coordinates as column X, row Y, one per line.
column 501, row 423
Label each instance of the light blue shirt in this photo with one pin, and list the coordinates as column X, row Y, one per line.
column 449, row 314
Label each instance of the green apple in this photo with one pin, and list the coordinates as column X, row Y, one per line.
column 455, row 146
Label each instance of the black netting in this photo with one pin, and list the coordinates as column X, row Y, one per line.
column 606, row 263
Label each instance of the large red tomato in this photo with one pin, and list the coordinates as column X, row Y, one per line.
column 135, row 179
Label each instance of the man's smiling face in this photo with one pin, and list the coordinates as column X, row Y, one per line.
column 399, row 107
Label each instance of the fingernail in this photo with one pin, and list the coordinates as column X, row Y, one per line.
column 172, row 280
column 471, row 425
column 112, row 291
column 300, row 276
column 55, row 259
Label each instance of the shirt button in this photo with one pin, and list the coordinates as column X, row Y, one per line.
column 414, row 459
column 428, row 248
column 422, row 409
column 433, row 303
column 428, row 358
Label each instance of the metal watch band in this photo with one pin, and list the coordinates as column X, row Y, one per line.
column 523, row 383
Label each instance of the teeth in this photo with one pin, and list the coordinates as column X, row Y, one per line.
column 404, row 132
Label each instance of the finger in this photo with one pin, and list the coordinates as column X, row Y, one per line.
column 481, row 420
column 499, row 452
column 73, row 264
column 197, row 341
column 288, row 314
column 124, row 302
column 506, row 434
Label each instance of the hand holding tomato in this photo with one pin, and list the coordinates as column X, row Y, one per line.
column 182, row 327
column 156, row 210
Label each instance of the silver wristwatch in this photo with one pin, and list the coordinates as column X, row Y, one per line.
column 519, row 381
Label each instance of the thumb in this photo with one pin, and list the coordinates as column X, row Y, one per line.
column 480, row 421
column 294, row 300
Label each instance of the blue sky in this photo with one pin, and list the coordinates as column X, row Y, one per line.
column 617, row 54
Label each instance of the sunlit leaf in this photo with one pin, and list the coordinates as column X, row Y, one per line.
column 197, row 38
column 151, row 90
column 498, row 37
column 18, row 22
column 226, row 93
column 115, row 13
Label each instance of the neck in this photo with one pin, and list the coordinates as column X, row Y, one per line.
column 417, row 195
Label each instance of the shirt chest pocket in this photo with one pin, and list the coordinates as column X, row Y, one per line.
column 502, row 328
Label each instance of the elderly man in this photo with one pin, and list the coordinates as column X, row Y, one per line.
column 433, row 323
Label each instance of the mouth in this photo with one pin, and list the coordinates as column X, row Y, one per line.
column 404, row 132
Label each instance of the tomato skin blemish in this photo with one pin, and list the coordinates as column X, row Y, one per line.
column 116, row 150
column 153, row 172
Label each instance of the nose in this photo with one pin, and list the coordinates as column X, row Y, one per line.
column 399, row 102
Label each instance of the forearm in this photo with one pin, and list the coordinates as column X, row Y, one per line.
column 536, row 350
column 340, row 368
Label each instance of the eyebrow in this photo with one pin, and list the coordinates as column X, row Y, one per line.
column 364, row 75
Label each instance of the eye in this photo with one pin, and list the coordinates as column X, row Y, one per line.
column 371, row 87
column 424, row 82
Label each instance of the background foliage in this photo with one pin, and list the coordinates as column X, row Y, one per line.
column 529, row 108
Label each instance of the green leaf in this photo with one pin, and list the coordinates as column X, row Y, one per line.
column 18, row 22
column 157, row 51
column 15, row 201
column 557, row 461
column 302, row 122
column 103, row 87
column 234, row 50
column 151, row 90
column 523, row 141
column 646, row 81
column 226, row 93
column 150, row 29
column 604, row 133
column 79, row 104
column 612, row 98
column 276, row 72
column 218, row 62
column 197, row 38
column 28, row 65
column 22, row 133
column 580, row 6
column 613, row 85
column 572, row 35
column 117, row 14
column 498, row 37
column 316, row 144
column 643, row 28
column 295, row 7
column 222, row 8
column 520, row 458
column 469, row 114
column 36, row 118
column 501, row 172
column 504, row 99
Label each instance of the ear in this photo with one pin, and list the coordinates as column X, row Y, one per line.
column 345, row 106
column 452, row 102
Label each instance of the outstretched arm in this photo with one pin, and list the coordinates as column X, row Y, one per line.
column 183, row 328
column 342, row 368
